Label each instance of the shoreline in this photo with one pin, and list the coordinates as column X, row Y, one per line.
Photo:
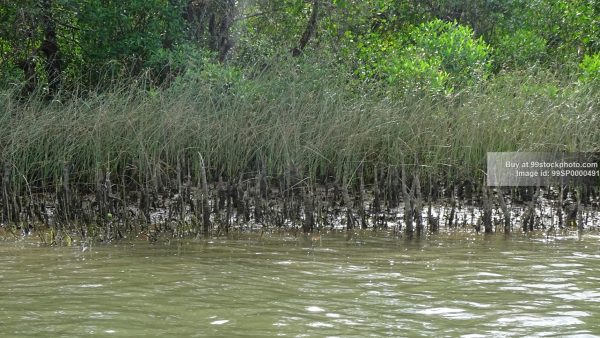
column 328, row 209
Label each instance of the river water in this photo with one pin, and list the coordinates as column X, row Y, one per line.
column 251, row 285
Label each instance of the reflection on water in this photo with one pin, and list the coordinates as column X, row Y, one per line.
column 279, row 285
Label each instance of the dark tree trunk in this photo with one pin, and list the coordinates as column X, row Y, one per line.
column 309, row 30
column 210, row 23
column 196, row 14
column 50, row 49
column 224, row 40
column 31, row 77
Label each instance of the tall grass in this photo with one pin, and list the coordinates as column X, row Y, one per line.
column 308, row 116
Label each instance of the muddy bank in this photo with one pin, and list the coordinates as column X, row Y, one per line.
column 188, row 205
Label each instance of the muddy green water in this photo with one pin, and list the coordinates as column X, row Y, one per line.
column 279, row 285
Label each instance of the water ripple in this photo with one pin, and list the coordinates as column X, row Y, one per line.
column 475, row 287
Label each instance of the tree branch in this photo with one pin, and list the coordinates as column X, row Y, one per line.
column 308, row 32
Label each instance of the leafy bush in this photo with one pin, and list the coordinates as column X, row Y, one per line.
column 415, row 70
column 462, row 56
column 203, row 73
column 590, row 68
column 570, row 27
column 10, row 74
column 166, row 64
column 519, row 49
column 437, row 55
column 125, row 34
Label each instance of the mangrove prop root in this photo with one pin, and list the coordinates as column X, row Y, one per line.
column 505, row 211
column 149, row 201
column 205, row 196
column 408, row 202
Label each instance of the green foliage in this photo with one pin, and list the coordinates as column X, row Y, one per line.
column 464, row 57
column 437, row 56
column 415, row 69
column 484, row 17
column 19, row 39
column 205, row 75
column 590, row 68
column 9, row 74
column 519, row 49
column 578, row 30
column 432, row 45
column 95, row 37
column 124, row 36
column 570, row 28
column 166, row 64
column 277, row 28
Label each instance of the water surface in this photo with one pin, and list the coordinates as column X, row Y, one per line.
column 373, row 284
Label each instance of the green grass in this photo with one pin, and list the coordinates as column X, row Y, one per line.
column 322, row 122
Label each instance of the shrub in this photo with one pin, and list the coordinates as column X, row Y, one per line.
column 464, row 57
column 414, row 70
column 436, row 56
column 519, row 49
column 590, row 68
column 166, row 64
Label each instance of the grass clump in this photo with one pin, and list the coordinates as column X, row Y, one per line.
column 324, row 125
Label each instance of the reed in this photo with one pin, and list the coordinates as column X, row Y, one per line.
column 324, row 126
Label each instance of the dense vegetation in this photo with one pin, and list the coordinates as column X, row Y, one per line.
column 444, row 45
column 149, row 94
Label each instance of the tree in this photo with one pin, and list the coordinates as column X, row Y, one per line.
column 210, row 23
column 50, row 48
